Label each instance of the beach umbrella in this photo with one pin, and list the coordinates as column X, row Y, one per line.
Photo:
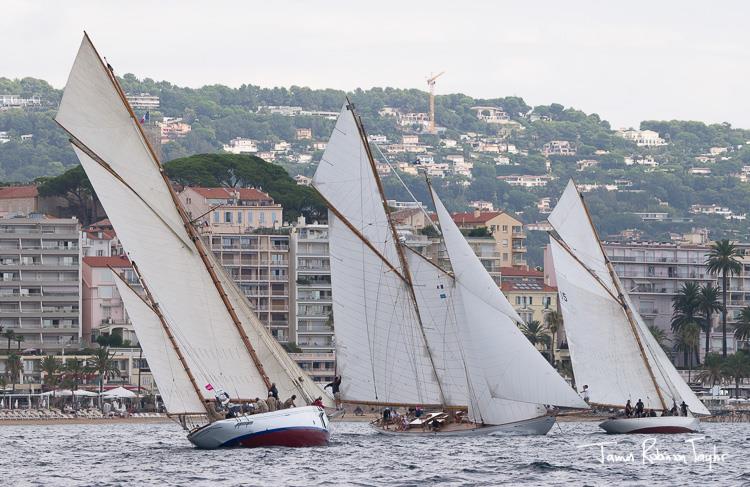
column 119, row 392
column 16, row 404
column 2, row 403
column 83, row 393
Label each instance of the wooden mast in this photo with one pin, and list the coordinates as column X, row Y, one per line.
column 399, row 250
column 154, row 306
column 621, row 296
column 194, row 236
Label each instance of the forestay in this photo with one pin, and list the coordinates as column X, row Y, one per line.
column 178, row 394
column 510, row 366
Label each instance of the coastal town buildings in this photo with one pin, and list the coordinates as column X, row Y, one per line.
column 505, row 229
column 143, row 101
column 231, row 210
column 18, row 200
column 642, row 138
column 240, row 145
column 40, row 290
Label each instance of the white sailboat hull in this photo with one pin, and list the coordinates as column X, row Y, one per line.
column 296, row 427
column 657, row 425
column 527, row 427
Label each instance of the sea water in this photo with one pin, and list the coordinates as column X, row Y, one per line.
column 112, row 454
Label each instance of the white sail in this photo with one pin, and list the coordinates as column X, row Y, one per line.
column 346, row 179
column 379, row 346
column 617, row 359
column 179, row 395
column 571, row 221
column 139, row 202
column 512, row 368
column 603, row 350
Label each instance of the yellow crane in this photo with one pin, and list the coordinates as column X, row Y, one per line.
column 431, row 84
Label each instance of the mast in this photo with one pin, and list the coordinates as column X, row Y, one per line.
column 399, row 249
column 151, row 303
column 621, row 299
column 194, row 236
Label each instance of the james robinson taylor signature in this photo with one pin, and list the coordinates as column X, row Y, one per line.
column 650, row 453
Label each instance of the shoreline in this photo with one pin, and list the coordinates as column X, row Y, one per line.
column 107, row 421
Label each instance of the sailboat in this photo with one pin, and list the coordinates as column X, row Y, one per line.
column 410, row 334
column 611, row 348
column 203, row 342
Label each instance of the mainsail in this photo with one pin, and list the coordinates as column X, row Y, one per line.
column 611, row 348
column 403, row 332
column 222, row 341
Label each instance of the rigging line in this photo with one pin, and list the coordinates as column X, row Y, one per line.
column 192, row 233
column 399, row 250
column 414, row 198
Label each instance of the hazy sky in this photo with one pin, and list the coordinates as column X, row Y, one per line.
column 627, row 61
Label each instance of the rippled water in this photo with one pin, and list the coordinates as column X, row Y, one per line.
column 159, row 454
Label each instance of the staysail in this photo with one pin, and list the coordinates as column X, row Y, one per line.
column 611, row 349
column 505, row 359
column 193, row 298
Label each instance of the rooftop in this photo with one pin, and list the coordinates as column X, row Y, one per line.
column 10, row 192
column 520, row 272
column 251, row 194
column 118, row 261
column 532, row 286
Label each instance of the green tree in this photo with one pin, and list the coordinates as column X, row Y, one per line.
column 712, row 369
column 73, row 185
column 554, row 321
column 51, row 368
column 660, row 336
column 536, row 333
column 708, row 304
column 687, row 340
column 19, row 339
column 9, row 335
column 105, row 367
column 723, row 258
column 737, row 367
column 74, row 372
column 685, row 306
column 742, row 328
column 14, row 368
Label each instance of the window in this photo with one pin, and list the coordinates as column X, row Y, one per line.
column 262, row 217
column 227, row 217
column 505, row 256
column 216, row 217
column 105, row 292
column 505, row 228
column 250, row 217
column 100, row 253
column 518, row 300
column 239, row 217
column 273, row 218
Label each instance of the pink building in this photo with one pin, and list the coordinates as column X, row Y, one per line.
column 103, row 311
column 18, row 200
column 231, row 210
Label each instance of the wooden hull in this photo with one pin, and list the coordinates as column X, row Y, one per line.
column 533, row 426
column 658, row 425
column 295, row 427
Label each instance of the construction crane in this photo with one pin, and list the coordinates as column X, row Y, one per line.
column 431, row 84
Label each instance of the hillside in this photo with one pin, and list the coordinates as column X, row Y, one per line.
column 480, row 140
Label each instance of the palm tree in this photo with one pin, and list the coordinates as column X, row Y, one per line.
column 660, row 336
column 105, row 367
column 74, row 372
column 708, row 304
column 19, row 339
column 742, row 328
column 723, row 259
column 14, row 366
column 685, row 310
column 554, row 321
column 687, row 340
column 10, row 335
column 536, row 333
column 51, row 367
column 737, row 367
column 711, row 372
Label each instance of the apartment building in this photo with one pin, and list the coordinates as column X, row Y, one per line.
column 312, row 284
column 40, row 290
column 260, row 264
column 143, row 101
column 18, row 201
column 231, row 210
column 506, row 230
column 103, row 312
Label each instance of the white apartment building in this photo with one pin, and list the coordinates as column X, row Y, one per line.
column 642, row 138
column 40, row 289
column 526, row 181
column 143, row 101
column 239, row 145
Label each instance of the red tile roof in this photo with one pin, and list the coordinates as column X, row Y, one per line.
column 520, row 272
column 251, row 194
column 11, row 192
column 527, row 286
column 106, row 234
column 117, row 261
column 470, row 218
